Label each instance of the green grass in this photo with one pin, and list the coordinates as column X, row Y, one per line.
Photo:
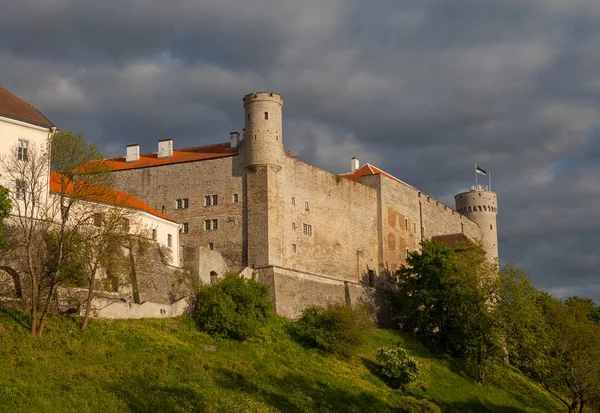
column 164, row 366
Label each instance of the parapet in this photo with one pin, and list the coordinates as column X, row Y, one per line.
column 263, row 96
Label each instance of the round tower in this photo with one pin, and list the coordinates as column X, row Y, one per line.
column 481, row 206
column 263, row 140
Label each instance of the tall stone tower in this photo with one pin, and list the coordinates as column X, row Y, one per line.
column 264, row 157
column 264, row 143
column 481, row 206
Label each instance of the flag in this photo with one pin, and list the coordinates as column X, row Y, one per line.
column 479, row 170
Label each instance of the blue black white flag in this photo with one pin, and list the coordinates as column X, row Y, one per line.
column 479, row 170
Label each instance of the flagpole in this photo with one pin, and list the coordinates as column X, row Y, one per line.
column 490, row 180
column 475, row 176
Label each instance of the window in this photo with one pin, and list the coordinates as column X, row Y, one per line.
column 154, row 235
column 414, row 227
column 294, row 248
column 20, row 188
column 215, row 224
column 22, row 149
column 186, row 202
column 293, row 201
column 215, row 199
column 236, row 198
column 207, row 224
column 169, row 240
column 125, row 225
column 307, row 229
column 64, row 213
column 207, row 200
column 491, row 227
column 98, row 219
column 182, row 203
column 306, row 205
column 178, row 204
column 266, row 115
column 406, row 224
column 407, row 253
column 186, row 227
column 211, row 246
column 293, row 226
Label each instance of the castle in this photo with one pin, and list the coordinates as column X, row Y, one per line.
column 313, row 236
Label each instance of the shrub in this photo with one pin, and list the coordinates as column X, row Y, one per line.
column 235, row 307
column 398, row 366
column 337, row 328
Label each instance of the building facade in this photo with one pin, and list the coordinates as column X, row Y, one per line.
column 313, row 236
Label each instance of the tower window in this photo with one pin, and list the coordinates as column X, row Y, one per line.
column 207, row 200
column 307, row 229
column 293, row 226
column 211, row 246
column 178, row 204
column 207, row 224
column 186, row 202
column 491, row 226
column 294, row 248
column 215, row 199
column 306, row 205
column 266, row 115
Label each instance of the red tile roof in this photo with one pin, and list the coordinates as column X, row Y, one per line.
column 199, row 153
column 96, row 193
column 366, row 169
column 15, row 108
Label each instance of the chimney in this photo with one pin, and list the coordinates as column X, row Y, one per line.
column 234, row 138
column 355, row 164
column 133, row 153
column 165, row 148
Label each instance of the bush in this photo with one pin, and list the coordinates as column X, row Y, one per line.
column 398, row 366
column 235, row 307
column 337, row 328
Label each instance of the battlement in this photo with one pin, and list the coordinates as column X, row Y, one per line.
column 263, row 96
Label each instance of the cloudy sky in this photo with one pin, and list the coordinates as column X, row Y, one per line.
column 422, row 88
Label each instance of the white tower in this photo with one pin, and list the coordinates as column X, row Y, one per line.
column 481, row 206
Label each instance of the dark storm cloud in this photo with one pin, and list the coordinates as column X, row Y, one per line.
column 421, row 88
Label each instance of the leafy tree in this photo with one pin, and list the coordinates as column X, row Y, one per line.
column 448, row 297
column 398, row 366
column 234, row 307
column 588, row 304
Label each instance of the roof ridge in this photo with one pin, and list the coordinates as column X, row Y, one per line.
column 174, row 150
column 29, row 105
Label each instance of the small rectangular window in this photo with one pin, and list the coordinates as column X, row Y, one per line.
column 309, row 230
column 293, row 226
column 186, row 202
column 294, row 248
column 185, row 228
column 207, row 224
column 211, row 246
column 207, row 200
column 215, row 199
column 22, row 149
column 306, row 205
column 178, row 204
column 20, row 188
column 414, row 227
column 169, row 240
column 407, row 253
column 293, row 201
column 406, row 224
column 215, row 224
column 266, row 115
column 236, row 198
column 154, row 234
column 125, row 225
column 97, row 219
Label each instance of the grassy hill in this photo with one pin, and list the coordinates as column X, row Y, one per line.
column 168, row 366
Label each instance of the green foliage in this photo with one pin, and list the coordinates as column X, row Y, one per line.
column 337, row 328
column 234, row 307
column 446, row 297
column 5, row 208
column 398, row 365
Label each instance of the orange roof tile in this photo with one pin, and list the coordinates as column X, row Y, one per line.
column 199, row 153
column 103, row 195
column 366, row 169
column 15, row 108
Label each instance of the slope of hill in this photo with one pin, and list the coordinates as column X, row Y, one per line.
column 168, row 366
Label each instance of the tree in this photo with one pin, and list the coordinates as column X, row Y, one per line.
column 31, row 218
column 449, row 298
column 5, row 208
column 572, row 358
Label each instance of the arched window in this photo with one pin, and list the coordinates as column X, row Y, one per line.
column 479, row 208
column 484, row 208
column 469, row 209
column 213, row 277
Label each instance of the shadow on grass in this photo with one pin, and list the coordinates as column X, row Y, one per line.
column 294, row 394
column 475, row 406
column 20, row 317
column 375, row 370
column 143, row 396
